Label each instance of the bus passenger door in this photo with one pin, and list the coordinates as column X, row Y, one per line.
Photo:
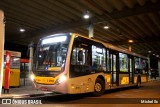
column 113, row 63
column 131, row 66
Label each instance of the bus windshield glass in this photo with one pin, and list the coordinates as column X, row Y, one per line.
column 51, row 53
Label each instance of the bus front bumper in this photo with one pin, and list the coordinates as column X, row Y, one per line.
column 58, row 88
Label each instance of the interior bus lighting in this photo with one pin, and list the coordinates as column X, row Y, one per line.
column 99, row 50
column 54, row 39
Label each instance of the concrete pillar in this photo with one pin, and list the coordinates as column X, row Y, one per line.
column 149, row 66
column 130, row 48
column 91, row 31
column 1, row 48
column 159, row 67
column 30, row 57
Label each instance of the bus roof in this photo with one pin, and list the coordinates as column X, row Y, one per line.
column 110, row 46
column 107, row 45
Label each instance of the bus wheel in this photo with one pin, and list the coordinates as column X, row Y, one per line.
column 99, row 87
column 138, row 82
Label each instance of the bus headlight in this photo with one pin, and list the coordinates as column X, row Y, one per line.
column 32, row 77
column 61, row 79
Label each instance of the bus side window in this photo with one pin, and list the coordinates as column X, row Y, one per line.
column 79, row 56
column 98, row 59
column 80, row 60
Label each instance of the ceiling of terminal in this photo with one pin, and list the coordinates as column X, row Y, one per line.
column 138, row 20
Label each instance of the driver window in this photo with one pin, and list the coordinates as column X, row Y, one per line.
column 75, row 58
column 80, row 59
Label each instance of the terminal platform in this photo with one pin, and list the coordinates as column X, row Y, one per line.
column 25, row 90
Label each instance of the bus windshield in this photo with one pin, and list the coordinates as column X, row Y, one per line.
column 51, row 53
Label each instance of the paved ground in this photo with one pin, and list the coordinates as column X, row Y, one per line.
column 24, row 89
column 150, row 90
column 126, row 97
column 28, row 89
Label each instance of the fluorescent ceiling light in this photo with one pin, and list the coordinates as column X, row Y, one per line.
column 99, row 50
column 130, row 41
column 22, row 30
column 106, row 27
column 86, row 15
column 54, row 39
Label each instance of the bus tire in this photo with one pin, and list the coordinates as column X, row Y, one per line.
column 138, row 82
column 99, row 87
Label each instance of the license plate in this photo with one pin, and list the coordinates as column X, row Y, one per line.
column 44, row 88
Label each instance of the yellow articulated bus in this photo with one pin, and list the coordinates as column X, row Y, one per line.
column 71, row 63
column 14, row 68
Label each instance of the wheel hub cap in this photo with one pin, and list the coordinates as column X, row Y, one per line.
column 98, row 87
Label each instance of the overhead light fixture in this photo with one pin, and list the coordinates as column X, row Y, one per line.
column 130, row 41
column 106, row 27
column 153, row 54
column 157, row 55
column 149, row 51
column 86, row 15
column 22, row 30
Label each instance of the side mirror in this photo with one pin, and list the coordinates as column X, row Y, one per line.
column 80, row 55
